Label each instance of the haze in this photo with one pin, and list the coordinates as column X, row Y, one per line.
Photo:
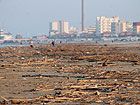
column 32, row 17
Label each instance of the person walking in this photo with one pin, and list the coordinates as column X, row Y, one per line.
column 31, row 43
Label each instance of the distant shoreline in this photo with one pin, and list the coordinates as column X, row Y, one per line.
column 108, row 43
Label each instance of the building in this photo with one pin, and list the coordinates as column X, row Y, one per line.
column 5, row 36
column 129, row 27
column 118, row 27
column 74, row 30
column 64, row 27
column 18, row 37
column 51, row 33
column 60, row 27
column 103, row 24
column 54, row 28
column 91, row 29
column 136, row 27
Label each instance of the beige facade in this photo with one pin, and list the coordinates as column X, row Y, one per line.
column 54, row 26
column 129, row 27
column 103, row 24
column 92, row 29
column 64, row 27
column 60, row 27
column 118, row 27
column 136, row 27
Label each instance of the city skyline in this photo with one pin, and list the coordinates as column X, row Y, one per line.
column 33, row 17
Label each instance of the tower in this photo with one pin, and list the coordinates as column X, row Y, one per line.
column 64, row 27
column 83, row 16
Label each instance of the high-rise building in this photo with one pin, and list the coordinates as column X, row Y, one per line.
column 60, row 27
column 136, row 27
column 64, row 27
column 54, row 28
column 103, row 24
column 118, row 27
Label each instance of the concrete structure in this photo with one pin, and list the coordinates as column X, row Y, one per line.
column 91, row 29
column 118, row 27
column 103, row 24
column 5, row 36
column 64, row 27
column 60, row 27
column 54, row 28
column 136, row 27
column 83, row 16
column 74, row 30
column 129, row 27
column 51, row 33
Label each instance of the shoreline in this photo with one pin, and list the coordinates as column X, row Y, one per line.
column 120, row 43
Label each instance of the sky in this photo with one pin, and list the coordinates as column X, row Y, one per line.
column 32, row 17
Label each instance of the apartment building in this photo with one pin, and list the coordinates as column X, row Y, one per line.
column 118, row 27
column 64, row 27
column 60, row 27
column 103, row 24
column 136, row 27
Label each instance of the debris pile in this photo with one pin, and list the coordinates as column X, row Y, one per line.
column 70, row 74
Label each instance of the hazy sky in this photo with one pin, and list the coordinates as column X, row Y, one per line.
column 32, row 17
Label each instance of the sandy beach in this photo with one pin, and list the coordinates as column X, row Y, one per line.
column 71, row 74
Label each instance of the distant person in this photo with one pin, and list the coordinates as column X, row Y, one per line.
column 31, row 43
column 60, row 42
column 53, row 43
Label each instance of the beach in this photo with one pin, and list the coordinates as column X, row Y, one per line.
column 71, row 74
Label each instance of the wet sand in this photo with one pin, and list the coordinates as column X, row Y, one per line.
column 87, row 73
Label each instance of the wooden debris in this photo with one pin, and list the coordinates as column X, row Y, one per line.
column 70, row 74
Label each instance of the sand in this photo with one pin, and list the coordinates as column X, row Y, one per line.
column 87, row 73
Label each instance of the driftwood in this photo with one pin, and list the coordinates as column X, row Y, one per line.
column 2, row 77
column 48, row 75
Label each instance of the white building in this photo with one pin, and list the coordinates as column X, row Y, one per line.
column 64, row 27
column 60, row 27
column 118, row 27
column 54, row 28
column 5, row 36
column 91, row 29
column 103, row 24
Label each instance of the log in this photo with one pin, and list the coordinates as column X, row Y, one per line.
column 18, row 101
column 2, row 77
column 5, row 99
column 44, row 89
